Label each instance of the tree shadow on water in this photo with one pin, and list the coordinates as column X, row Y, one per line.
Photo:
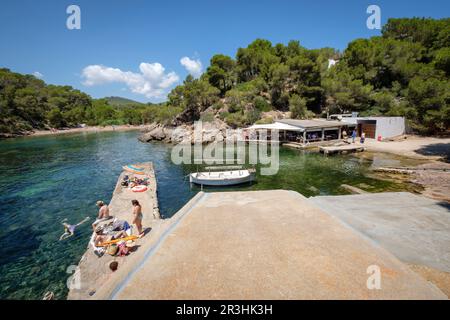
column 437, row 149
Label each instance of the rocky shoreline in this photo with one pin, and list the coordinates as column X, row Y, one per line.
column 215, row 131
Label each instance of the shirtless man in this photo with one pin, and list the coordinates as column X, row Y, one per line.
column 103, row 214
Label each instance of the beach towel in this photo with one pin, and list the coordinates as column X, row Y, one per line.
column 133, row 169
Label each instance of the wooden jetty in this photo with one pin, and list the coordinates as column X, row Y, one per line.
column 341, row 149
column 310, row 145
column 93, row 271
column 294, row 145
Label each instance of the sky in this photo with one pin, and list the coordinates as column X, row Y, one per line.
column 140, row 49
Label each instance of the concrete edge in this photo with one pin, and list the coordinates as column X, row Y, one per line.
column 372, row 241
column 177, row 218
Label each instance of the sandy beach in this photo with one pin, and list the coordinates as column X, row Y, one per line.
column 86, row 129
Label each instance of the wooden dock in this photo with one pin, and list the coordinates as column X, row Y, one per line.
column 93, row 271
column 310, row 145
column 341, row 149
column 294, row 145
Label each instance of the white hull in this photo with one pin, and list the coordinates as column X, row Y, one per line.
column 221, row 178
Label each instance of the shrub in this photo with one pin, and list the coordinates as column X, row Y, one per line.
column 297, row 106
column 267, row 120
column 236, row 120
column 261, row 104
column 252, row 116
column 207, row 117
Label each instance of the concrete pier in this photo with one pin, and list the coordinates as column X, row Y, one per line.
column 261, row 245
column 93, row 271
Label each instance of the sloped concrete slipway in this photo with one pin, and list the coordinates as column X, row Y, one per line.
column 414, row 228
column 261, row 245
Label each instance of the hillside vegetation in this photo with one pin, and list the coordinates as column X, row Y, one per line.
column 404, row 72
column 122, row 102
column 27, row 103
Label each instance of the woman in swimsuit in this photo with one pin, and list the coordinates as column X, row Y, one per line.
column 137, row 216
column 69, row 229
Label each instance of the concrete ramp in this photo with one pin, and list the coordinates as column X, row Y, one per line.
column 264, row 245
column 414, row 228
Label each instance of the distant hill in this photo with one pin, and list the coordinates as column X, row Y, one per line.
column 122, row 102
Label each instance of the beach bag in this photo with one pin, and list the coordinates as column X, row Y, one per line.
column 112, row 250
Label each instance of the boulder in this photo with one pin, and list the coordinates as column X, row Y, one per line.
column 149, row 127
column 181, row 134
column 156, row 133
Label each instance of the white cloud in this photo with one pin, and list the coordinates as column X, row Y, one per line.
column 152, row 81
column 38, row 75
column 194, row 67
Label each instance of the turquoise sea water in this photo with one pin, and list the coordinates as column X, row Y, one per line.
column 44, row 180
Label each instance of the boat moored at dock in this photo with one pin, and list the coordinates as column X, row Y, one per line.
column 222, row 178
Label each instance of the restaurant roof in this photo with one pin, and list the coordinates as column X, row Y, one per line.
column 275, row 126
column 312, row 124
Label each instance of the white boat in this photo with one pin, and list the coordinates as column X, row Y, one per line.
column 222, row 178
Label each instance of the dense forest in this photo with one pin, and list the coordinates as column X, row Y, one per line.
column 403, row 72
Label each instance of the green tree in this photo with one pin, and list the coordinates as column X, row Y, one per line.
column 221, row 72
column 256, row 60
column 56, row 118
column 297, row 106
column 430, row 99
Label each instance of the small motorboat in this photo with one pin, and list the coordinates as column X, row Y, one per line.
column 222, row 178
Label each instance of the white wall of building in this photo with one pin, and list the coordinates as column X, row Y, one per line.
column 331, row 62
column 389, row 127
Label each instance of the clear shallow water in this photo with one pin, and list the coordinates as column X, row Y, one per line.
column 44, row 180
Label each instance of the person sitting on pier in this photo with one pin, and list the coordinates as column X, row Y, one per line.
column 103, row 213
column 137, row 216
column 69, row 229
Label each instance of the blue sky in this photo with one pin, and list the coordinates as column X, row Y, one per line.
column 127, row 43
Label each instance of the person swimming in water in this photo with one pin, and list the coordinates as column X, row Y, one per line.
column 69, row 229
